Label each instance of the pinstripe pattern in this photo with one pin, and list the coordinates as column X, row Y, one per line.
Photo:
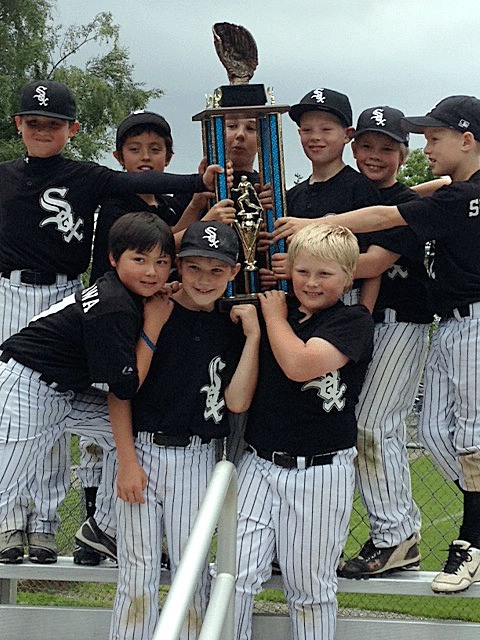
column 89, row 470
column 302, row 516
column 451, row 411
column 33, row 417
column 177, row 481
column 49, row 483
column 387, row 397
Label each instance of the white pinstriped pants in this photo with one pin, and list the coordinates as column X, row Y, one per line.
column 177, row 482
column 49, row 483
column 450, row 420
column 33, row 416
column 302, row 515
column 386, row 399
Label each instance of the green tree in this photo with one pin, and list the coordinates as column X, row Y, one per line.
column 34, row 47
column 415, row 169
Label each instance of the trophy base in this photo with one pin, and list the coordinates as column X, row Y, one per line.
column 224, row 305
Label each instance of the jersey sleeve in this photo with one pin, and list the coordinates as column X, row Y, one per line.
column 350, row 331
column 152, row 182
column 436, row 217
column 111, row 341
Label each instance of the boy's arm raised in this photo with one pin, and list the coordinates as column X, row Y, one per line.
column 239, row 393
column 374, row 218
column 300, row 361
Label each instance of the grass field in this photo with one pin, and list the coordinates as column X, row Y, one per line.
column 438, row 500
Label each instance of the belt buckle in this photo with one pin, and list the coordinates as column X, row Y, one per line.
column 289, row 462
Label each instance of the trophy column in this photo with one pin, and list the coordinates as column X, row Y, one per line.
column 250, row 216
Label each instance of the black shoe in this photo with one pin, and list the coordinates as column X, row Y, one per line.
column 87, row 557
column 91, row 537
column 372, row 561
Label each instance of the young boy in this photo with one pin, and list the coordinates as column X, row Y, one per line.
column 202, row 366
column 100, row 335
column 143, row 143
column 324, row 118
column 296, row 481
column 47, row 206
column 448, row 423
column 402, row 317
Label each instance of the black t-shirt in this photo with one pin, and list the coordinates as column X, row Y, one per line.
column 112, row 209
column 345, row 191
column 196, row 356
column 89, row 337
column 450, row 217
column 315, row 417
column 47, row 208
column 405, row 286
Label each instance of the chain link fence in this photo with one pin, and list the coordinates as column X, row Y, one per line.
column 439, row 501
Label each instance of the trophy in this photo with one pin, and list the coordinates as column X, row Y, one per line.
column 237, row 51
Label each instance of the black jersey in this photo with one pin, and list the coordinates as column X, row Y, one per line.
column 405, row 286
column 89, row 337
column 315, row 417
column 450, row 217
column 110, row 211
column 196, row 356
column 47, row 208
column 345, row 191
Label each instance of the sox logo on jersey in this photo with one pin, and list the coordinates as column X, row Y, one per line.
column 214, row 404
column 64, row 220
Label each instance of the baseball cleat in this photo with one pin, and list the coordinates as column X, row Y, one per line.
column 372, row 561
column 91, row 537
column 42, row 548
column 87, row 557
column 461, row 569
column 11, row 547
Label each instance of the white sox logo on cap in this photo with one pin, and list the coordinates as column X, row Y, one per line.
column 377, row 115
column 318, row 95
column 211, row 237
column 41, row 95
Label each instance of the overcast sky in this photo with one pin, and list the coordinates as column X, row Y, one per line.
column 407, row 54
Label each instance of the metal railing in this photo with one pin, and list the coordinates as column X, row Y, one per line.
column 219, row 507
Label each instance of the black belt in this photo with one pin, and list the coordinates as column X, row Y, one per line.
column 385, row 315
column 463, row 311
column 38, row 277
column 4, row 357
column 167, row 440
column 287, row 461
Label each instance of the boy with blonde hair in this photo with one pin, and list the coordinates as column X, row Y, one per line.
column 450, row 217
column 297, row 477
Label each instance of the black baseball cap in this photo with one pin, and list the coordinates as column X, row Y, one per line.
column 323, row 100
column 386, row 120
column 461, row 113
column 210, row 240
column 48, row 98
column 141, row 117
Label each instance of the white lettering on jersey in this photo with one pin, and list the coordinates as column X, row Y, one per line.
column 318, row 95
column 89, row 298
column 41, row 95
column 397, row 270
column 329, row 389
column 211, row 237
column 214, row 404
column 377, row 115
column 63, row 217
column 474, row 208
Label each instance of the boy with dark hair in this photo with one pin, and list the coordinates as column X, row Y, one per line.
column 99, row 335
column 203, row 365
column 296, row 480
column 449, row 420
column 402, row 316
column 47, row 206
